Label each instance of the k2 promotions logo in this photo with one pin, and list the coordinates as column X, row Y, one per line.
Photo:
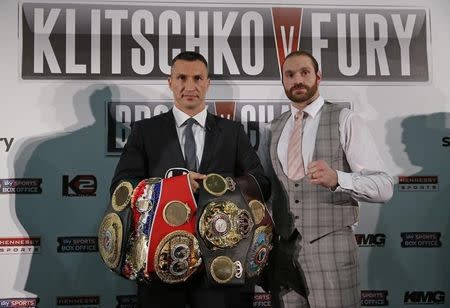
column 20, row 245
column 84, row 185
column 78, row 302
column 77, row 244
column 126, row 301
column 28, row 302
column 418, row 183
column 6, row 142
column 370, row 240
column 20, row 186
column 424, row 298
column 248, row 43
column 421, row 239
column 374, row 298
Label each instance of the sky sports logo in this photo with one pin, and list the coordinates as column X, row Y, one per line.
column 28, row 302
column 421, row 239
column 126, row 301
column 21, row 186
column 105, row 40
column 20, row 245
column 67, row 244
column 374, row 298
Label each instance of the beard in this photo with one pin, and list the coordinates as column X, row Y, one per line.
column 303, row 97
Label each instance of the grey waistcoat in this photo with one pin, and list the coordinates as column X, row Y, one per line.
column 314, row 210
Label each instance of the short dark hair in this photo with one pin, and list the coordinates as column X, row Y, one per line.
column 190, row 56
column 304, row 53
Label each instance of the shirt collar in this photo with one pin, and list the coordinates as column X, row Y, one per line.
column 181, row 117
column 312, row 109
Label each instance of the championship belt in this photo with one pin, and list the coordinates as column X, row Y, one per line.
column 116, row 226
column 160, row 241
column 234, row 229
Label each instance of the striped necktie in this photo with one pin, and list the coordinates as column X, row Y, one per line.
column 296, row 169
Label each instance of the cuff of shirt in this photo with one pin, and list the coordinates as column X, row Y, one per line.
column 345, row 181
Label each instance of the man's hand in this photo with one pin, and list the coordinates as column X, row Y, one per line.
column 320, row 173
column 194, row 177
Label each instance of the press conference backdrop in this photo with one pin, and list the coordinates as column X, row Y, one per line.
column 75, row 75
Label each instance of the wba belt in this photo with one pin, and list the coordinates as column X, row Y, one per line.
column 157, row 220
column 234, row 229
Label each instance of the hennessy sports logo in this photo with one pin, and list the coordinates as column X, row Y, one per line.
column 418, row 183
column 77, row 244
column 374, row 298
column 421, row 239
column 20, row 245
column 84, row 185
column 370, row 240
column 262, row 300
column 240, row 42
column 424, row 298
column 29, row 302
column 78, row 301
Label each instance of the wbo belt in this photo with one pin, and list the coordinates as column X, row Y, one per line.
column 234, row 229
column 151, row 233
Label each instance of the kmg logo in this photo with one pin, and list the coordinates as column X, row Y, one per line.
column 370, row 240
column 424, row 298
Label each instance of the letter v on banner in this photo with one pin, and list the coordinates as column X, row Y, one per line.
column 225, row 110
column 287, row 23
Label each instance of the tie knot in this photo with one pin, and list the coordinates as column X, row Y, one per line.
column 189, row 122
column 299, row 115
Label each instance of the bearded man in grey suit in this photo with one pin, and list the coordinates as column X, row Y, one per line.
column 323, row 161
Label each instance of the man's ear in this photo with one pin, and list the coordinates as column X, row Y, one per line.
column 169, row 82
column 319, row 77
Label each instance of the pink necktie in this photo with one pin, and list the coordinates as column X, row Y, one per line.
column 295, row 159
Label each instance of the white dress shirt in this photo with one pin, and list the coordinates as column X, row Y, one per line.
column 198, row 129
column 368, row 180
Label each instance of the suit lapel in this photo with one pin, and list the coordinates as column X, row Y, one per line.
column 211, row 137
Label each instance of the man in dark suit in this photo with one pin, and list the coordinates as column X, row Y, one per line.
column 221, row 146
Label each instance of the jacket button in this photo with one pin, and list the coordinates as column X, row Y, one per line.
column 296, row 217
column 296, row 201
column 296, row 184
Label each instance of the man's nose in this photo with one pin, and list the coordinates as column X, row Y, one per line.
column 298, row 79
column 190, row 84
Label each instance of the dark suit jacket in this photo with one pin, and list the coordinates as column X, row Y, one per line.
column 153, row 147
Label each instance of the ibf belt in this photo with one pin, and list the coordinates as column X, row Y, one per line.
column 232, row 231
column 173, row 250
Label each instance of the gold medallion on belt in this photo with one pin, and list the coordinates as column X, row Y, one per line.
column 177, row 257
column 110, row 239
column 217, row 185
column 224, row 224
